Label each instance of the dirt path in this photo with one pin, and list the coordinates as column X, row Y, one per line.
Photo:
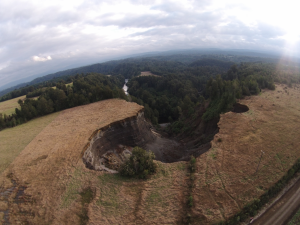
column 283, row 209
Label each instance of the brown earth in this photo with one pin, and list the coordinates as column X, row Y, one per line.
column 50, row 174
column 147, row 73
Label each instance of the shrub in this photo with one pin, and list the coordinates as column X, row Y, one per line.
column 140, row 164
column 192, row 164
column 190, row 201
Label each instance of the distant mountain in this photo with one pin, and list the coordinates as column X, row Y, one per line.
column 212, row 62
column 139, row 62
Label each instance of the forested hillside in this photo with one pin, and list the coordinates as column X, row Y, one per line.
column 171, row 97
column 86, row 89
column 129, row 68
column 161, row 63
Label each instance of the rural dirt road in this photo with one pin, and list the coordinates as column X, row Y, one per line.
column 283, row 209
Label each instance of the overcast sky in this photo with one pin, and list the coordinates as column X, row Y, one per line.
column 39, row 37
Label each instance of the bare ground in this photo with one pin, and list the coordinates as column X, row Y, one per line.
column 147, row 73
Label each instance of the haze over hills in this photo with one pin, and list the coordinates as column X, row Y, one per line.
column 183, row 56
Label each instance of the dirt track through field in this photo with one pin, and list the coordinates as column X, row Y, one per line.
column 283, row 209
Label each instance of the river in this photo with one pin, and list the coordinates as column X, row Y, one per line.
column 125, row 88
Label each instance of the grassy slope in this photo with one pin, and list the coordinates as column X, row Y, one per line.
column 8, row 107
column 14, row 140
column 225, row 178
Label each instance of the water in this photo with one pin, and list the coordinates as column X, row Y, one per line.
column 125, row 88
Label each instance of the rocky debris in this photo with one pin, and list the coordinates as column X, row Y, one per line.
column 112, row 145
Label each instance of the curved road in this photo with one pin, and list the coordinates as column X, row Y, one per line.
column 282, row 211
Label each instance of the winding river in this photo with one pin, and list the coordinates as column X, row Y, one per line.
column 125, row 88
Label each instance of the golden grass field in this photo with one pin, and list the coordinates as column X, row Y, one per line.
column 51, row 168
column 147, row 73
column 14, row 140
column 8, row 107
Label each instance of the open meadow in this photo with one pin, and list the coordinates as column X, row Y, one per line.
column 147, row 73
column 8, row 107
column 14, row 140
column 59, row 189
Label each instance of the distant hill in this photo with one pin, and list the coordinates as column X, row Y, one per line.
column 157, row 63
column 212, row 62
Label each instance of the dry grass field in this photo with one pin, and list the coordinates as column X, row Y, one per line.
column 60, row 190
column 226, row 179
column 14, row 140
column 8, row 107
column 147, row 73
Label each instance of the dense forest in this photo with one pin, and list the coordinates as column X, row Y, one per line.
column 159, row 63
column 86, row 89
column 170, row 96
column 128, row 68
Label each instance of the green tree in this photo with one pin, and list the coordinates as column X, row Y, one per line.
column 140, row 164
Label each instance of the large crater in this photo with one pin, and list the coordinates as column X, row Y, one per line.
column 111, row 145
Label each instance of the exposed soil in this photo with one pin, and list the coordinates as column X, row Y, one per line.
column 239, row 108
column 109, row 145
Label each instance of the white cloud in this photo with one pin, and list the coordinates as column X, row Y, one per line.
column 41, row 59
column 49, row 31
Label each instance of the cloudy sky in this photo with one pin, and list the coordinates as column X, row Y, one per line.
column 40, row 37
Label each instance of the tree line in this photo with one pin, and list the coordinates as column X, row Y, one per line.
column 128, row 68
column 169, row 97
column 86, row 89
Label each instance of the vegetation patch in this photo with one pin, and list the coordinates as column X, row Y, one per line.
column 252, row 208
column 87, row 195
column 71, row 192
column 84, row 89
column 140, row 164
column 110, row 187
column 296, row 219
column 8, row 107
column 14, row 140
